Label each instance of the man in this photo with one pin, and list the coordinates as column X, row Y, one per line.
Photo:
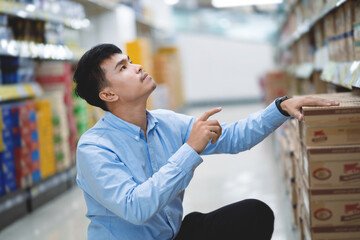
column 134, row 164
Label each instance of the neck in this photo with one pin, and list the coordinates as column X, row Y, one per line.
column 135, row 114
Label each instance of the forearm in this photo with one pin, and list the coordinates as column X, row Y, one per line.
column 246, row 133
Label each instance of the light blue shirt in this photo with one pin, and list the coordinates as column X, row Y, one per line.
column 134, row 187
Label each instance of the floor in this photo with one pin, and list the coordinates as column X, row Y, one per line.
column 219, row 180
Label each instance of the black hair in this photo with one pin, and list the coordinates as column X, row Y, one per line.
column 89, row 77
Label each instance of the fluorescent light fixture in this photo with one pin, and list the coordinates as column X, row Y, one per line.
column 171, row 2
column 30, row 7
column 238, row 3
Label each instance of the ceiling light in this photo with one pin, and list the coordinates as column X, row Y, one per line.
column 238, row 3
column 171, row 2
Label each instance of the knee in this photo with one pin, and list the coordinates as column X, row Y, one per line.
column 261, row 210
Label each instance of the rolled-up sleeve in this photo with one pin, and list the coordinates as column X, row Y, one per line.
column 246, row 133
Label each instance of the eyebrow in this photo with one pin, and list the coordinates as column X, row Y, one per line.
column 122, row 61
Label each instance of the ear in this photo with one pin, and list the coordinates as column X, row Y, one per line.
column 107, row 95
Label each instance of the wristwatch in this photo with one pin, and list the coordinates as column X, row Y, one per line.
column 280, row 100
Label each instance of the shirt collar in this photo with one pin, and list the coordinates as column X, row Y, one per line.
column 130, row 128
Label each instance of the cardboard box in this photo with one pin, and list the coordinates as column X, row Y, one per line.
column 320, row 86
column 330, row 32
column 347, row 113
column 336, row 135
column 330, row 231
column 332, row 153
column 332, row 174
column 319, row 34
column 340, row 97
column 349, row 20
column 356, row 29
column 340, row 30
column 356, row 7
column 349, row 15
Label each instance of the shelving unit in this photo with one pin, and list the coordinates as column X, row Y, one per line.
column 316, row 55
column 18, row 203
column 342, row 74
column 305, row 26
column 28, row 11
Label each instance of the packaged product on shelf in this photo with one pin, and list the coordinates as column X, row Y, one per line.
column 71, row 38
column 81, row 114
column 319, row 34
column 332, row 166
column 56, row 75
column 331, row 213
column 54, row 33
column 347, row 113
column 335, row 135
column 27, row 149
column 61, row 131
column 27, row 29
column 356, row 29
column 26, row 70
column 275, row 85
column 340, row 42
column 349, row 20
column 167, row 70
column 7, row 156
column 330, row 33
column 46, row 137
column 9, row 69
column 320, row 86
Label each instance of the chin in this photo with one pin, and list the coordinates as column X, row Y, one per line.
column 154, row 86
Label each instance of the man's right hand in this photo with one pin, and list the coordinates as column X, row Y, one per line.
column 205, row 130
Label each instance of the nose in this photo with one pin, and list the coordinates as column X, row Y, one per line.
column 139, row 68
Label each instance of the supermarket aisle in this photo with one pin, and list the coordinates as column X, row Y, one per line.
column 219, row 180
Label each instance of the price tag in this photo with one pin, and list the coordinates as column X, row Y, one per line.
column 21, row 92
column 344, row 70
column 29, row 90
column 37, row 89
column 328, row 73
column 8, row 93
column 353, row 73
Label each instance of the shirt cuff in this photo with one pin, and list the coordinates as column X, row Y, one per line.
column 186, row 158
column 273, row 114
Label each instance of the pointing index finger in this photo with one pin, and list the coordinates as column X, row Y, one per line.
column 209, row 113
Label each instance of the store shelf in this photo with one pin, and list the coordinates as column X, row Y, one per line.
column 98, row 7
column 13, row 206
column 345, row 74
column 47, row 189
column 19, row 91
column 30, row 12
column 17, row 204
column 35, row 50
column 309, row 23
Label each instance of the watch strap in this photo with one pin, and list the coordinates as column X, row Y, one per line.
column 278, row 101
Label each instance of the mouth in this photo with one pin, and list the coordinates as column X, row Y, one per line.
column 145, row 75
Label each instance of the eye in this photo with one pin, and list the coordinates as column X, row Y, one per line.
column 123, row 68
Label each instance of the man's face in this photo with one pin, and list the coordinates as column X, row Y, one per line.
column 126, row 80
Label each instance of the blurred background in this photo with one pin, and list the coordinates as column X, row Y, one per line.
column 237, row 54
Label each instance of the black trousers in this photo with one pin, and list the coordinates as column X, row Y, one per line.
column 249, row 219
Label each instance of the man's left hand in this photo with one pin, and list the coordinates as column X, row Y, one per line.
column 293, row 105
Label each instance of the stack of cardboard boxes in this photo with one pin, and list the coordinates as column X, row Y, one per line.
column 327, row 174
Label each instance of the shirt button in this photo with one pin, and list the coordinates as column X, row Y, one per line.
column 137, row 137
column 155, row 169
